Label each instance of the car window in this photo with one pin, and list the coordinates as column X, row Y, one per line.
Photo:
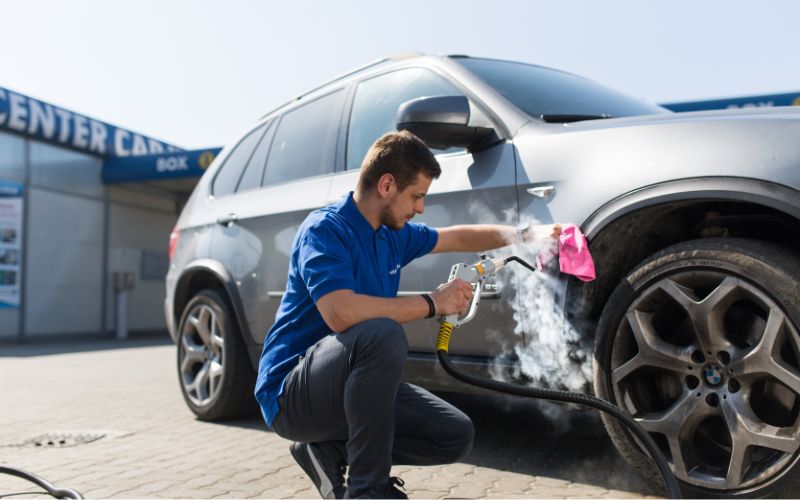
column 543, row 91
column 376, row 102
column 254, row 172
column 228, row 176
column 305, row 140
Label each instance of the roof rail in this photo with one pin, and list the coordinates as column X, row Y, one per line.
column 401, row 56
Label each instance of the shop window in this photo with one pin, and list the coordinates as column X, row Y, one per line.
column 12, row 158
column 65, row 170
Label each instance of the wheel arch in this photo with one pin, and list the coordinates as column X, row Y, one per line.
column 202, row 274
column 657, row 216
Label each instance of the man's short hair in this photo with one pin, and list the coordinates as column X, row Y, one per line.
column 401, row 154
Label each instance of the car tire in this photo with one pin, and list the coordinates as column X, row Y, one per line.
column 700, row 344
column 214, row 371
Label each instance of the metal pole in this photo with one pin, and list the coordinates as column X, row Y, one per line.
column 122, row 314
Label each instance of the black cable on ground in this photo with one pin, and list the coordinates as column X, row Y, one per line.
column 41, row 482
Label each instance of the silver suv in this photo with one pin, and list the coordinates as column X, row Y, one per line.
column 693, row 220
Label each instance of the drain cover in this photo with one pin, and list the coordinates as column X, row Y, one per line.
column 60, row 440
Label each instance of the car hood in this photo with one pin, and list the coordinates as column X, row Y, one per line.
column 592, row 162
column 747, row 114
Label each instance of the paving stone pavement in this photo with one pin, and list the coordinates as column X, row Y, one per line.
column 153, row 447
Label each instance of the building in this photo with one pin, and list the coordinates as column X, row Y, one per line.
column 67, row 235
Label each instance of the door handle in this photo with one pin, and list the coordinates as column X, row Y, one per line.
column 541, row 191
column 229, row 220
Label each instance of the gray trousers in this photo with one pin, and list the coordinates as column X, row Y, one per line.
column 347, row 391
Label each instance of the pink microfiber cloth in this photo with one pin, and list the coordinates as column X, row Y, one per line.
column 573, row 254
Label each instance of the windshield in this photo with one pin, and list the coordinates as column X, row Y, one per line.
column 546, row 92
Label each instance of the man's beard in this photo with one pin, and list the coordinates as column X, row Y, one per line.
column 388, row 220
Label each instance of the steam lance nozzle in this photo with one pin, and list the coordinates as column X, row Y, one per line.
column 488, row 267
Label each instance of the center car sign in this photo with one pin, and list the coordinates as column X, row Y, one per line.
column 44, row 121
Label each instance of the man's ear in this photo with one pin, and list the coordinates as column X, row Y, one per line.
column 386, row 185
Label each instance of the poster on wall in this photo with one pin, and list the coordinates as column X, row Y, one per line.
column 10, row 243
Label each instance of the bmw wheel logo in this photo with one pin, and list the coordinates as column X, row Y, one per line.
column 713, row 375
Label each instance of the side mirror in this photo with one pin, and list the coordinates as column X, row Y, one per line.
column 445, row 122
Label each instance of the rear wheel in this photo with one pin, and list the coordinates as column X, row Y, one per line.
column 215, row 374
column 700, row 344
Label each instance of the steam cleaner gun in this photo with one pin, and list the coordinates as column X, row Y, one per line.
column 476, row 275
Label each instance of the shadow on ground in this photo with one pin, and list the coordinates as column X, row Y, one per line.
column 49, row 346
column 533, row 438
column 545, row 439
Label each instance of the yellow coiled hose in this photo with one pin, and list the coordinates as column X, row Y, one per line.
column 443, row 339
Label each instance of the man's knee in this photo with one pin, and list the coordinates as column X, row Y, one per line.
column 456, row 440
column 380, row 335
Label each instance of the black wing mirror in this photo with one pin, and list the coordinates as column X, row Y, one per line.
column 446, row 121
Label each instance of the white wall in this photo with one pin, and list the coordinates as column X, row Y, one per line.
column 9, row 323
column 139, row 221
column 64, row 272
column 68, row 211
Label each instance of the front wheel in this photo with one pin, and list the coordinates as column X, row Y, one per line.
column 215, row 374
column 700, row 344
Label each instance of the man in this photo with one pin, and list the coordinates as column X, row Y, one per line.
column 330, row 373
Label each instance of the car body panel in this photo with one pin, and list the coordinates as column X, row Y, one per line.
column 645, row 151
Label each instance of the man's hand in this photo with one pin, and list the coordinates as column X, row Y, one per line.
column 555, row 231
column 452, row 297
column 540, row 232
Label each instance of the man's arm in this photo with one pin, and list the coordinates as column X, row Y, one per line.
column 480, row 237
column 342, row 309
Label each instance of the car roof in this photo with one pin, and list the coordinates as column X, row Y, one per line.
column 393, row 58
column 513, row 117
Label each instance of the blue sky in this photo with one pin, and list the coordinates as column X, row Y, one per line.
column 195, row 73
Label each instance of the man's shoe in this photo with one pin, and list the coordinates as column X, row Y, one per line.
column 325, row 472
column 386, row 490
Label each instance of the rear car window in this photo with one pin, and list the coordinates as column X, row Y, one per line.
column 305, row 141
column 229, row 173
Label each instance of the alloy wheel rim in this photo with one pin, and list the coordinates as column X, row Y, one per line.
column 709, row 365
column 202, row 348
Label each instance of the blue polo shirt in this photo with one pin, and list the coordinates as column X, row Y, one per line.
column 334, row 249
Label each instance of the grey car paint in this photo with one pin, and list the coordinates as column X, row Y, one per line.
column 591, row 163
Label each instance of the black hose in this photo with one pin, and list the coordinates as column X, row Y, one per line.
column 51, row 490
column 442, row 345
column 514, row 258
column 673, row 490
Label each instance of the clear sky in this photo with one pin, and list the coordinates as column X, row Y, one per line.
column 195, row 73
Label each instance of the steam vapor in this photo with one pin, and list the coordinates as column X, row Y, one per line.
column 547, row 350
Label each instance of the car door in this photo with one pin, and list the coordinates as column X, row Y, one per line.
column 472, row 188
column 288, row 176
